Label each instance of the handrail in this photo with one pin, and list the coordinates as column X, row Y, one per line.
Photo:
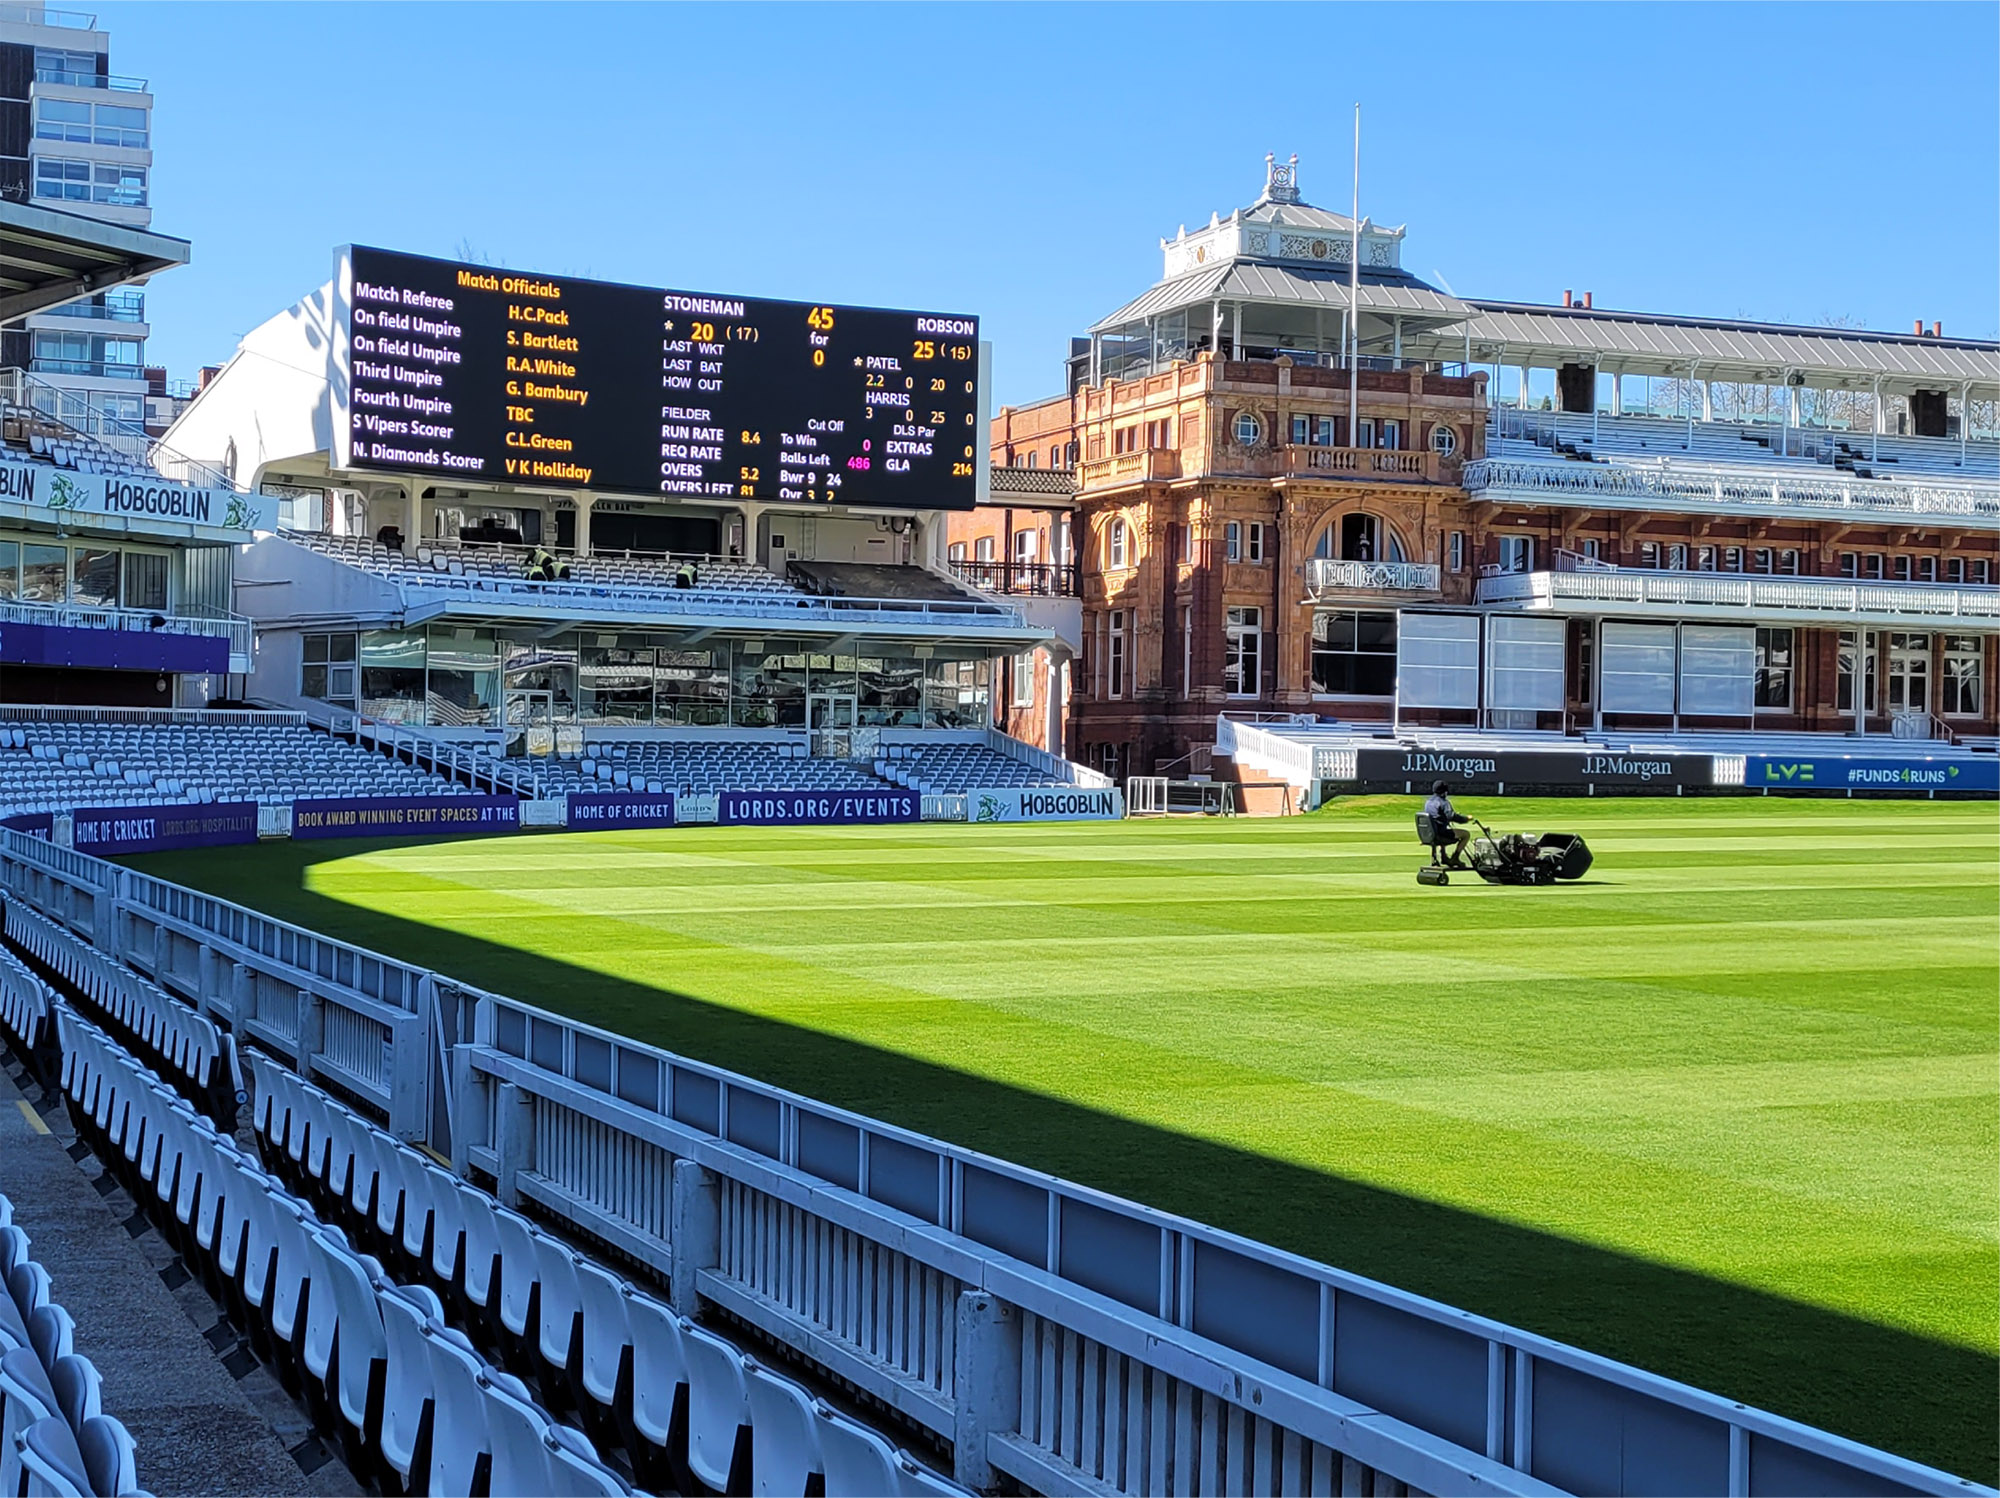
column 42, row 401
column 1327, row 575
column 235, row 628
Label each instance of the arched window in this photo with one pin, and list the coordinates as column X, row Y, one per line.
column 1444, row 439
column 1248, row 428
column 1358, row 537
column 1115, row 545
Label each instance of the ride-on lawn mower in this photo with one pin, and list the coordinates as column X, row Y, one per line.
column 1510, row 858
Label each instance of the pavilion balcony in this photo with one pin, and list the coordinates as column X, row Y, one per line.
column 1299, row 461
column 1327, row 579
column 1150, row 466
column 1638, row 593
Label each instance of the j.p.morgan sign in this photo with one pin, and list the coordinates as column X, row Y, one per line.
column 1417, row 768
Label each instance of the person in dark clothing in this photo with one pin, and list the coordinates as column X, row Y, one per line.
column 1444, row 816
column 542, row 567
column 687, row 576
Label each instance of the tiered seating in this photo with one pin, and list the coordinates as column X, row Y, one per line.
column 53, row 1430
column 682, row 1401
column 54, row 1435
column 173, row 1039
column 35, row 436
column 952, row 769
column 702, row 767
column 319, row 1311
column 1639, row 438
column 57, row 767
column 598, row 581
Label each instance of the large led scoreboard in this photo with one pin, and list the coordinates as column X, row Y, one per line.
column 468, row 372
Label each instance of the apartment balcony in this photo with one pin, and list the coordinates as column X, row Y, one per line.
column 1636, row 593
column 1155, row 465
column 1327, row 579
column 1730, row 489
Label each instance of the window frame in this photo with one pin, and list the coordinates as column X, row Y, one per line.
column 1957, row 686
column 1776, row 669
column 1248, row 421
column 1243, row 651
column 1117, row 545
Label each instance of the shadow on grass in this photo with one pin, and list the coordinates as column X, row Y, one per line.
column 1928, row 1400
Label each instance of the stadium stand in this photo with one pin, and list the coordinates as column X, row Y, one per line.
column 54, row 1435
column 699, row 767
column 441, row 1336
column 58, row 766
column 954, row 768
column 1603, row 438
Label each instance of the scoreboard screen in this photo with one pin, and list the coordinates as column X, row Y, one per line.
column 469, row 372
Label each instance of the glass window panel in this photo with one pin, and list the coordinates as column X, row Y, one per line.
column 10, row 568
column 145, row 580
column 392, row 676
column 44, row 573
column 96, row 577
column 891, row 691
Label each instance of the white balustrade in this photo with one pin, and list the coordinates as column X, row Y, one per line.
column 1325, row 576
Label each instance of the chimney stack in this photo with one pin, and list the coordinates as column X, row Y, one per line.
column 1937, row 330
column 1566, row 300
column 1586, row 301
column 1918, row 330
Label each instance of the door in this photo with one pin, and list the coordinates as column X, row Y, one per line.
column 830, row 723
column 1909, row 675
column 533, row 714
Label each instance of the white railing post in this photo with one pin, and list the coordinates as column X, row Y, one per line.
column 514, row 1120
column 695, row 1232
column 986, row 1383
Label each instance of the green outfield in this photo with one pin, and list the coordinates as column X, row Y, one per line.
column 1728, row 1109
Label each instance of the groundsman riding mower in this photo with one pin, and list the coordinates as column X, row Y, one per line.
column 1510, row 858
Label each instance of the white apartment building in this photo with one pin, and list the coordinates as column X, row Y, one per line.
column 77, row 137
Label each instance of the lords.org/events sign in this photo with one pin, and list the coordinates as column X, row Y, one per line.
column 589, row 811
column 1793, row 772
column 109, row 830
column 404, row 816
column 795, row 808
column 138, row 500
column 1073, row 803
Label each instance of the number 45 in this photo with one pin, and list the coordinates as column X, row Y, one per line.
column 820, row 319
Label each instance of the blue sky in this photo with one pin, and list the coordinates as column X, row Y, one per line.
column 1794, row 162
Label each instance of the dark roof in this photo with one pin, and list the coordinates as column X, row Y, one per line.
column 48, row 257
column 1045, row 482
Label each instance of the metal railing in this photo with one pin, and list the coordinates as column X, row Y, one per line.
column 1061, row 1339
column 103, row 311
column 1029, row 579
column 1324, row 576
column 67, row 79
column 56, row 412
column 1623, row 484
column 1052, row 765
column 1628, row 587
column 234, row 628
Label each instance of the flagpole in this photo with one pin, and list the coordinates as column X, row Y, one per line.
column 1354, row 300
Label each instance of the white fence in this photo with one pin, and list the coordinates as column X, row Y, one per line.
column 1623, row 483
column 1820, row 597
column 1059, row 1339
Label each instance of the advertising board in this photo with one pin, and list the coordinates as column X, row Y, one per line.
column 1487, row 769
column 1061, row 803
column 403, row 816
column 590, row 811
column 823, row 808
column 1794, row 772
column 111, row 830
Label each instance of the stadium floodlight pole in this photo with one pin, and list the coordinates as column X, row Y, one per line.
column 1354, row 299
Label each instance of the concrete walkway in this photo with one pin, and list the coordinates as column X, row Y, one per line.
column 207, row 1417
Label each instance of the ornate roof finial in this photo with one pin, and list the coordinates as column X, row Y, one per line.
column 1281, row 182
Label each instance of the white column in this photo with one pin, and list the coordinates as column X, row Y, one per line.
column 1525, row 371
column 1215, row 328
column 1396, row 326
column 1236, row 332
column 1708, row 400
column 1617, row 394
column 583, row 504
column 413, row 513
column 1964, row 418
